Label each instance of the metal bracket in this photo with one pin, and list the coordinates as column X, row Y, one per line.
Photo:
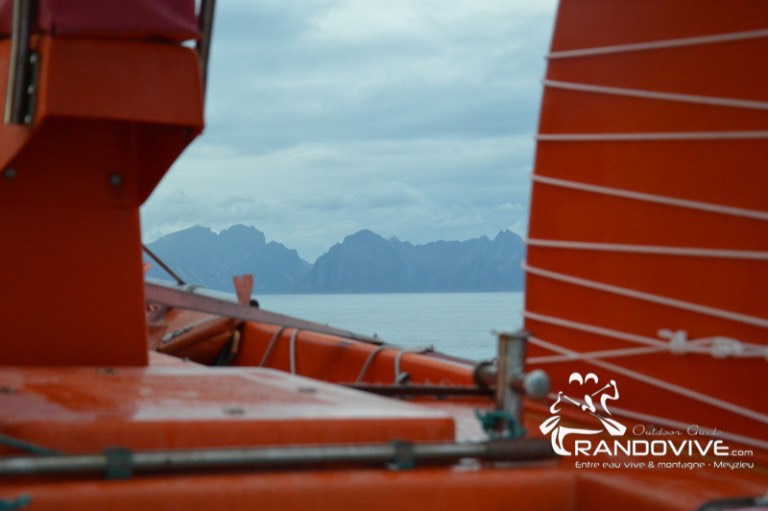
column 119, row 463
column 512, row 383
column 404, row 456
column 17, row 503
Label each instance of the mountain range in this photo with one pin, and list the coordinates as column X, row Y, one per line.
column 363, row 262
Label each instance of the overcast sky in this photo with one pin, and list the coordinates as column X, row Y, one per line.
column 412, row 118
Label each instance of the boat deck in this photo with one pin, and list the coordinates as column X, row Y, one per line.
column 169, row 406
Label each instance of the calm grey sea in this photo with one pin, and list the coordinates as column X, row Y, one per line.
column 459, row 324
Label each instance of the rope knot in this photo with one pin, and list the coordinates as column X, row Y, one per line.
column 723, row 347
column 716, row 346
column 678, row 340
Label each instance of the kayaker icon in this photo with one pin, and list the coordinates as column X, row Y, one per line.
column 608, row 392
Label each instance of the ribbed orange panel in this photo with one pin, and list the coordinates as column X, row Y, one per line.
column 727, row 169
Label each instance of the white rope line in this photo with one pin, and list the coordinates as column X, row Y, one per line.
column 655, row 382
column 592, row 329
column 647, row 197
column 660, row 135
column 665, row 96
column 649, row 249
column 403, row 351
column 369, row 361
column 660, row 45
column 649, row 297
column 400, row 352
column 176, row 333
column 271, row 345
column 615, row 353
column 677, row 343
column 718, row 346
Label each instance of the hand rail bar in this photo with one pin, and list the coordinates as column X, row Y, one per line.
column 203, row 46
column 19, row 72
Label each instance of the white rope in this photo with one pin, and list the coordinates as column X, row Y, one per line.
column 665, row 96
column 647, row 197
column 718, row 346
column 655, row 382
column 369, row 361
column 649, row 297
column 271, row 345
column 614, row 353
column 677, row 342
column 592, row 329
column 176, row 333
column 403, row 351
column 660, row 135
column 649, row 249
column 660, row 45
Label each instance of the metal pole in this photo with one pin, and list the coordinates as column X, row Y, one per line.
column 424, row 390
column 18, row 72
column 512, row 383
column 205, row 22
column 510, row 371
column 273, row 457
column 164, row 266
column 165, row 294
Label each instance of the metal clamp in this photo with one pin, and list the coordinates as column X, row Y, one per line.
column 119, row 463
column 17, row 503
column 403, row 456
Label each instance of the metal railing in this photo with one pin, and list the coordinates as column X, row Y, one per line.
column 119, row 463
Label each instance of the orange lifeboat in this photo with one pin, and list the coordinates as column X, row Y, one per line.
column 643, row 294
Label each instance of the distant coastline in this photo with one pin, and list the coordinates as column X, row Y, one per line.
column 364, row 262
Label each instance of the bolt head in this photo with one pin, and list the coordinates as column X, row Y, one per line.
column 536, row 384
column 115, row 179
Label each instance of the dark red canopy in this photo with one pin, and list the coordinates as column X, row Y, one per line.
column 173, row 20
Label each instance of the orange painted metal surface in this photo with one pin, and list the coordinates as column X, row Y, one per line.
column 111, row 116
column 12, row 137
column 196, row 336
column 344, row 489
column 540, row 488
column 148, row 95
column 84, row 410
column 62, row 305
column 340, row 360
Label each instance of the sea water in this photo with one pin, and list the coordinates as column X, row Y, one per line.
column 458, row 324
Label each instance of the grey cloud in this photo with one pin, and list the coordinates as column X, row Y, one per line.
column 411, row 118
